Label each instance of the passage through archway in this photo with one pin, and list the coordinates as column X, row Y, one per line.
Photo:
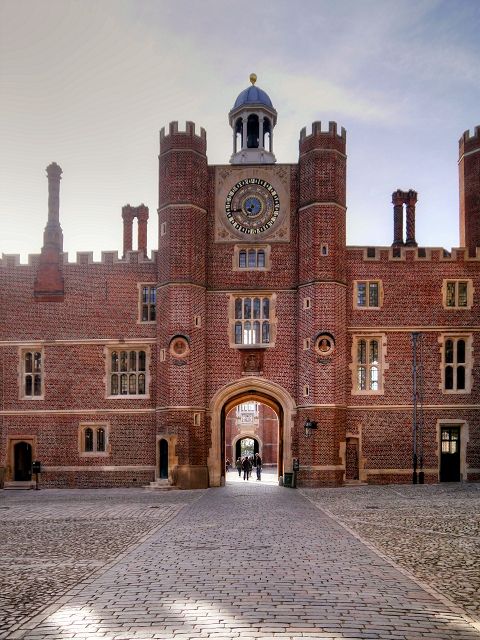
column 249, row 389
column 251, row 429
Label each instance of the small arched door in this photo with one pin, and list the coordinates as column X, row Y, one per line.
column 22, row 462
column 163, row 470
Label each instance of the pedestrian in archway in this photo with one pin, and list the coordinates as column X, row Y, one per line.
column 258, row 464
column 246, row 468
column 238, row 464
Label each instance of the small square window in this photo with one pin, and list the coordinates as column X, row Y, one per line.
column 197, row 320
column 306, row 390
column 148, row 302
column 457, row 294
column 307, row 303
column 163, row 355
column 306, row 344
column 367, row 294
column 163, row 228
column 251, row 257
column 196, row 419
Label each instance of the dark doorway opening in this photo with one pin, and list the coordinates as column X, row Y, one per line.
column 450, row 454
column 163, row 470
column 22, row 462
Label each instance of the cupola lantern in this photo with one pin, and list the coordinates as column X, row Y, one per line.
column 252, row 119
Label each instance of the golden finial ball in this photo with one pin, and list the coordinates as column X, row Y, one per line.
column 253, row 78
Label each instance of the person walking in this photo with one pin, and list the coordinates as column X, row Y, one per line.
column 246, row 467
column 238, row 464
column 258, row 464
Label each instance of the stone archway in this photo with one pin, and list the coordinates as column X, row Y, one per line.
column 255, row 389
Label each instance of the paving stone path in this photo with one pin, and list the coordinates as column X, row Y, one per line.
column 432, row 531
column 248, row 561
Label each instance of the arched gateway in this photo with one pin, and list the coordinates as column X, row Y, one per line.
column 249, row 389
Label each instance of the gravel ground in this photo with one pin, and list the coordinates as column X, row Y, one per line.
column 53, row 540
column 433, row 531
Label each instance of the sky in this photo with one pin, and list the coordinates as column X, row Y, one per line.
column 89, row 84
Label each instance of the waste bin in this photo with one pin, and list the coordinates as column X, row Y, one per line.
column 288, row 480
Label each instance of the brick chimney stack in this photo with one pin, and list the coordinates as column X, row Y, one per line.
column 49, row 286
column 469, row 174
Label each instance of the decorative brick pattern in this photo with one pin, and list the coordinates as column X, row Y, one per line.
column 311, row 277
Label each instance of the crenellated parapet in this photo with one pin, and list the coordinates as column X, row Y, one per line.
column 320, row 139
column 83, row 258
column 413, row 254
column 469, row 142
column 188, row 139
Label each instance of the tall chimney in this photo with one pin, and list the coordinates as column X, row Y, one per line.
column 49, row 285
column 397, row 201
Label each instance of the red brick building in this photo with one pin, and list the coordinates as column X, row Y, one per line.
column 122, row 372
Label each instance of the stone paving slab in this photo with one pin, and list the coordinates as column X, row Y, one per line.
column 250, row 561
column 432, row 531
column 52, row 540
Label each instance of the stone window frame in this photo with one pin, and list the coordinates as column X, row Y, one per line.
column 367, row 283
column 456, row 306
column 23, row 373
column 383, row 366
column 307, row 342
column 272, row 319
column 137, row 347
column 140, row 287
column 95, row 426
column 468, row 364
column 306, row 303
column 239, row 248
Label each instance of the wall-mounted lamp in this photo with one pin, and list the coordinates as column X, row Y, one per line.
column 310, row 426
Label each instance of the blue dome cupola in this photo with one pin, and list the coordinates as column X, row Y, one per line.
column 252, row 119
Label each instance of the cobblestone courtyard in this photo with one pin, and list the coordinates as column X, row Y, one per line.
column 251, row 560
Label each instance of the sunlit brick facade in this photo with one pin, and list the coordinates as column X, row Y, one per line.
column 123, row 372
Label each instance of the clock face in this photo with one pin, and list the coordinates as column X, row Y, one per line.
column 252, row 206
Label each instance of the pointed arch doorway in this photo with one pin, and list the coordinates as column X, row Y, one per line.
column 251, row 389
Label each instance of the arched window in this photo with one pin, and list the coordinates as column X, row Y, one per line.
column 88, row 440
column 252, row 131
column 93, row 439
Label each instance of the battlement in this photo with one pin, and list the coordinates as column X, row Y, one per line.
column 413, row 254
column 82, row 258
column 187, row 139
column 321, row 139
column 469, row 142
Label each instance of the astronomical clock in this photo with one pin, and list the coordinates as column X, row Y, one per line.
column 252, row 204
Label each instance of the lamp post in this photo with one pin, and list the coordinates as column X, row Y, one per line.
column 310, row 427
